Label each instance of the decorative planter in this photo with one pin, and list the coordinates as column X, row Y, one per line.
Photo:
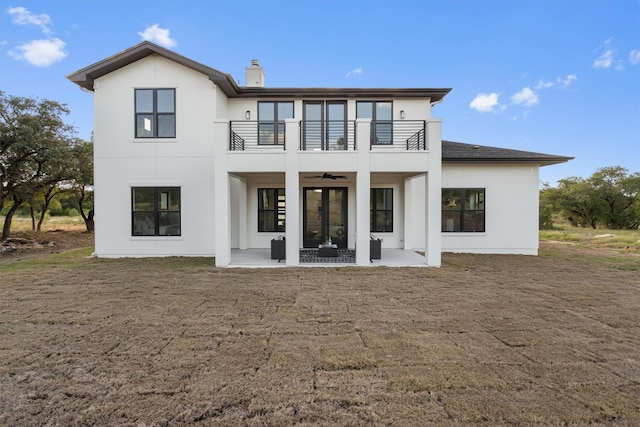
column 278, row 249
column 375, row 249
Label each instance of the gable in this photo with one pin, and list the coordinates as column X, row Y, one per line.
column 86, row 77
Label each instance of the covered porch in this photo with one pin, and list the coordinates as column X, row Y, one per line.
column 312, row 198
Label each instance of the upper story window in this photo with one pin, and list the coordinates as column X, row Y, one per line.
column 381, row 210
column 155, row 211
column 463, row 209
column 380, row 113
column 155, row 113
column 271, row 116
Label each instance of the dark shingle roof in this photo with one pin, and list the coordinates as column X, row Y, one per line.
column 458, row 152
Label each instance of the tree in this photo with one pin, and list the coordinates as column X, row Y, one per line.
column 608, row 198
column 547, row 207
column 34, row 144
column 576, row 201
column 81, row 185
column 617, row 192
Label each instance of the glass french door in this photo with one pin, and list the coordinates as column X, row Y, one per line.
column 325, row 125
column 325, row 216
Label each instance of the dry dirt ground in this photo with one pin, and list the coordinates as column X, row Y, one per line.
column 484, row 340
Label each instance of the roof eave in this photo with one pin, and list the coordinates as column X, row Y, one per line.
column 435, row 95
column 532, row 161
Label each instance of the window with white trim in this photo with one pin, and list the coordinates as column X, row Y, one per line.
column 463, row 210
column 271, row 209
column 155, row 211
column 155, row 113
column 381, row 211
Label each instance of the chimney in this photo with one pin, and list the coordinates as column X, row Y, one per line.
column 255, row 74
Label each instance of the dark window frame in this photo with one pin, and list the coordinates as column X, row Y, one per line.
column 325, row 125
column 378, row 125
column 159, row 211
column 374, row 211
column 463, row 217
column 277, row 212
column 154, row 113
column 278, row 126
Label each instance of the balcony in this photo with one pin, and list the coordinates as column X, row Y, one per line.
column 244, row 136
column 398, row 135
column 328, row 135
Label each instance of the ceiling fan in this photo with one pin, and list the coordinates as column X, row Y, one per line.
column 327, row 176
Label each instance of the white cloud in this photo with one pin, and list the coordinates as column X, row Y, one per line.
column 605, row 60
column 155, row 34
column 22, row 16
column 486, row 103
column 526, row 96
column 356, row 72
column 608, row 57
column 559, row 81
column 567, row 80
column 634, row 57
column 544, row 85
column 41, row 53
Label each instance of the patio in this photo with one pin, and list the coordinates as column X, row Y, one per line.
column 261, row 258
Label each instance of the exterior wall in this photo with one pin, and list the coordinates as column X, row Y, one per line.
column 121, row 161
column 511, row 209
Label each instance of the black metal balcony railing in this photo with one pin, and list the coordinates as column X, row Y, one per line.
column 328, row 135
column 417, row 141
column 404, row 134
column 251, row 135
column 236, row 142
column 323, row 135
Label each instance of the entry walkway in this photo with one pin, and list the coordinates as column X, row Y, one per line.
column 261, row 258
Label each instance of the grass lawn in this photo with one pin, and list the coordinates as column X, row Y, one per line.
column 619, row 240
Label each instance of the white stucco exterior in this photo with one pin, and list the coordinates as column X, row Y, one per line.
column 219, row 182
column 511, row 214
column 122, row 161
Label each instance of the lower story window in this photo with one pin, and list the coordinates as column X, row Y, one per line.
column 463, row 210
column 271, row 209
column 381, row 211
column 155, row 211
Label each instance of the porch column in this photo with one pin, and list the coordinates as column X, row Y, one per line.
column 242, row 213
column 221, row 216
column 363, row 192
column 292, row 192
column 433, row 195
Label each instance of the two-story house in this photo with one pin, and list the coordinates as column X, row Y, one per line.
column 189, row 163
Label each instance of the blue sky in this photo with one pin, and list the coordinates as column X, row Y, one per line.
column 559, row 77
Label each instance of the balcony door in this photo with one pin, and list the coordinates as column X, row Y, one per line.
column 325, row 216
column 325, row 125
